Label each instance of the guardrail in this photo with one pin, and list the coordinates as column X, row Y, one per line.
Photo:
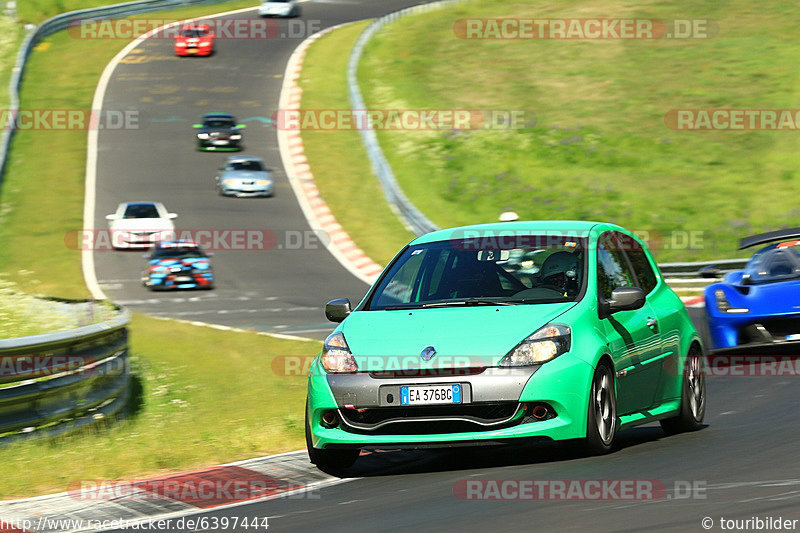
column 65, row 379
column 58, row 23
column 411, row 217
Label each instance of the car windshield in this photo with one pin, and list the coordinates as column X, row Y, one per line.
column 141, row 211
column 193, row 33
column 219, row 123
column 252, row 166
column 522, row 270
column 181, row 252
column 776, row 262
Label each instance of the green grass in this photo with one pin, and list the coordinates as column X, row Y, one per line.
column 600, row 148
column 11, row 35
column 36, row 11
column 337, row 158
column 46, row 169
column 22, row 314
column 208, row 397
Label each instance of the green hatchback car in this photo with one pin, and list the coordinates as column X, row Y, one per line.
column 487, row 334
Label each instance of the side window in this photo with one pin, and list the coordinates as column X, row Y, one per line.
column 612, row 268
column 641, row 266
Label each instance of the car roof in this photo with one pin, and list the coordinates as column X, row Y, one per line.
column 525, row 226
column 218, row 115
column 140, row 203
column 233, row 158
column 180, row 243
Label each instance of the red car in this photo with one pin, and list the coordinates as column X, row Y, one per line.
column 194, row 40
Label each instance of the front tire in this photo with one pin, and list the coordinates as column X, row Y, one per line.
column 602, row 423
column 693, row 397
column 331, row 461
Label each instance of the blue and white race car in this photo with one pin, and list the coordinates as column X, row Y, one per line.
column 178, row 265
column 759, row 305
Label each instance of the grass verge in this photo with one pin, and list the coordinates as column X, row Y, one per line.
column 600, row 148
column 207, row 397
column 338, row 159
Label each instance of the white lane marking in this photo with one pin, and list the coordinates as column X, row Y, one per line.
column 727, row 413
column 241, row 330
column 90, row 183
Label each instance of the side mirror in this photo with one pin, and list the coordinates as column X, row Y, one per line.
column 710, row 271
column 172, row 215
column 626, row 299
column 210, row 254
column 111, row 217
column 241, row 126
column 145, row 256
column 338, row 309
column 197, row 126
column 211, row 35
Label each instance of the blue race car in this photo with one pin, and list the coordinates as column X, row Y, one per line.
column 178, row 265
column 759, row 305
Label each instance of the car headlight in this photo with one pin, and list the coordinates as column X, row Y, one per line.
column 205, row 44
column 544, row 345
column 202, row 135
column 228, row 182
column 263, row 182
column 336, row 356
column 723, row 304
column 236, row 136
column 180, row 44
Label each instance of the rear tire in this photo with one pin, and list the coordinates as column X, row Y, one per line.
column 330, row 461
column 602, row 423
column 693, row 397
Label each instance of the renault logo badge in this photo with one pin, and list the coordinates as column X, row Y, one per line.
column 428, row 353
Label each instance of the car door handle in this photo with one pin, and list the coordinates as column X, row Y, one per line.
column 652, row 323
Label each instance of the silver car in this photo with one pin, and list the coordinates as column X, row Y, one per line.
column 244, row 176
column 279, row 8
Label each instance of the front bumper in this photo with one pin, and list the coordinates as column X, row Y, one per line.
column 745, row 331
column 245, row 193
column 219, row 145
column 496, row 400
column 203, row 280
column 185, row 51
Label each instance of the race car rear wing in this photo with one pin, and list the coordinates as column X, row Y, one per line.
column 770, row 236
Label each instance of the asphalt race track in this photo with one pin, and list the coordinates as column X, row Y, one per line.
column 282, row 290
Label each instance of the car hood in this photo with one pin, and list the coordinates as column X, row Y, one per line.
column 142, row 224
column 462, row 337
column 244, row 175
column 223, row 131
column 200, row 263
column 272, row 5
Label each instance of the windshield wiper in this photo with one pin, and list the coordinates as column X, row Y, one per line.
column 466, row 303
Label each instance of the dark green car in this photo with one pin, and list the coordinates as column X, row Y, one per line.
column 543, row 330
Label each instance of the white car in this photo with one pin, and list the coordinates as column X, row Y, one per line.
column 140, row 225
column 279, row 8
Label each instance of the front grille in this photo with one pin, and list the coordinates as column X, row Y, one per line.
column 432, row 419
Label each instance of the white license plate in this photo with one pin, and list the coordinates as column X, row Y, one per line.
column 430, row 394
column 183, row 278
column 219, row 143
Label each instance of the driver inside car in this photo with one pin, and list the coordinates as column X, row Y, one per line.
column 559, row 271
